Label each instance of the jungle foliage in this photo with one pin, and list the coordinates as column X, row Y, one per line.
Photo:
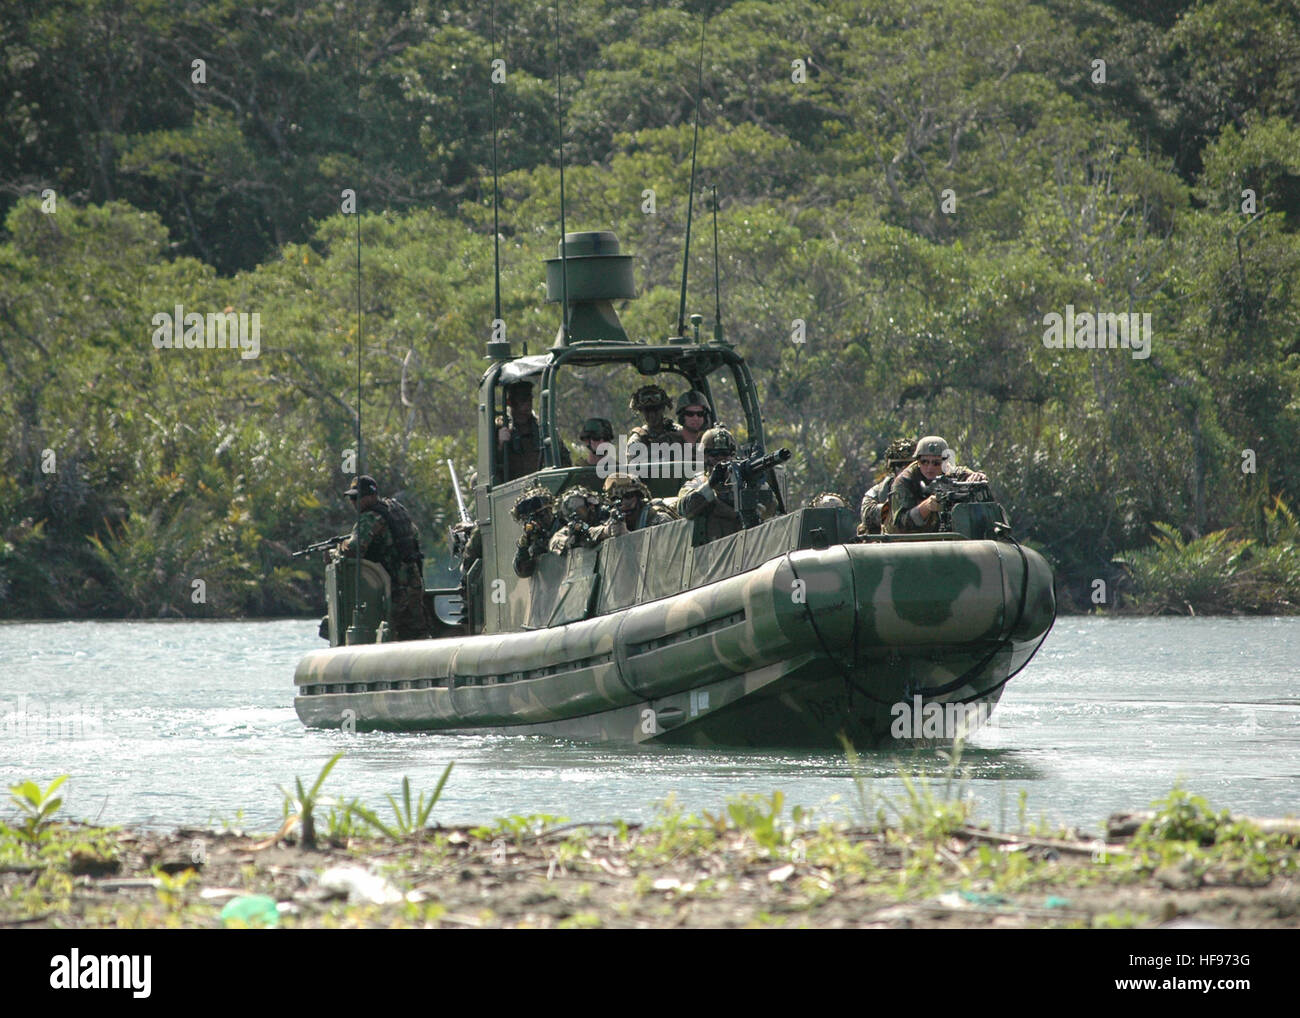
column 129, row 186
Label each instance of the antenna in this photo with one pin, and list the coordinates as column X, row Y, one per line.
column 564, row 260
column 496, row 194
column 717, row 285
column 354, row 630
column 690, row 200
column 496, row 349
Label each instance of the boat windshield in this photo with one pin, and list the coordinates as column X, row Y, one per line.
column 603, row 390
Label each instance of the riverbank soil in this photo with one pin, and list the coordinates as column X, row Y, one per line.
column 746, row 868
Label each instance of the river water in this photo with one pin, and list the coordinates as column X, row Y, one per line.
column 189, row 723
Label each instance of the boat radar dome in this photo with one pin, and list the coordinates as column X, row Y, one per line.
column 597, row 275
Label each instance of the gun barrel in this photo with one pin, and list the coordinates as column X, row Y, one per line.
column 329, row 542
column 460, row 501
column 760, row 464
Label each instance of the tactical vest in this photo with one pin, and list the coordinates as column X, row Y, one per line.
column 405, row 534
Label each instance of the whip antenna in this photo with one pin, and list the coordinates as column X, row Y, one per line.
column 496, row 194
column 564, row 260
column 717, row 285
column 354, row 631
column 690, row 200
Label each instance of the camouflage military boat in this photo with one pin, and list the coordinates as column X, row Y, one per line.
column 790, row 632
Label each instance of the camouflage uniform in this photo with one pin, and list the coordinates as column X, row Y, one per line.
column 714, row 510
column 906, row 495
column 539, row 526
column 875, row 502
column 697, row 500
column 646, row 513
column 385, row 533
column 649, row 397
column 577, row 531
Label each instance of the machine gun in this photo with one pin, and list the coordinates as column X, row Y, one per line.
column 747, row 474
column 756, row 467
column 949, row 493
column 329, row 542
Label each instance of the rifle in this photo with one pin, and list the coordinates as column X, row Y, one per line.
column 948, row 493
column 329, row 542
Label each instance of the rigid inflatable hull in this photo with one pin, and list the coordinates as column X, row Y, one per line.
column 806, row 647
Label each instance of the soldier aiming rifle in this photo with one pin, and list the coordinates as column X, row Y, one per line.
column 725, row 496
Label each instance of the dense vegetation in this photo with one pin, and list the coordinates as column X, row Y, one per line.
column 133, row 180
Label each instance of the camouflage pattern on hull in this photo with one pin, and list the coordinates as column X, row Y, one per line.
column 804, row 646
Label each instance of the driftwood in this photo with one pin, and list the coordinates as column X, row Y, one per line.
column 1093, row 847
column 1125, row 825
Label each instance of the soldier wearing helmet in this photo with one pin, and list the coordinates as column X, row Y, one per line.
column 693, row 415
column 653, row 403
column 630, row 507
column 534, row 510
column 875, row 503
column 910, row 510
column 709, row 496
column 581, row 511
column 385, row 533
column 595, row 432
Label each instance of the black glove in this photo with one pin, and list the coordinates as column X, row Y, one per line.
column 720, row 475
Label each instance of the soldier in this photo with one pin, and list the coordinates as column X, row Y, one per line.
column 708, row 497
column 909, row 511
column 653, row 402
column 630, row 508
column 693, row 415
column 595, row 430
column 519, row 435
column 534, row 510
column 386, row 534
column 581, row 511
column 876, row 501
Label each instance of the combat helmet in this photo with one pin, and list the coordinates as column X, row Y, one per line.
column 648, row 397
column 574, row 499
column 932, row 445
column 900, row 452
column 533, row 501
column 616, row 485
column 717, row 440
column 828, row 500
column 597, row 427
column 692, row 397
